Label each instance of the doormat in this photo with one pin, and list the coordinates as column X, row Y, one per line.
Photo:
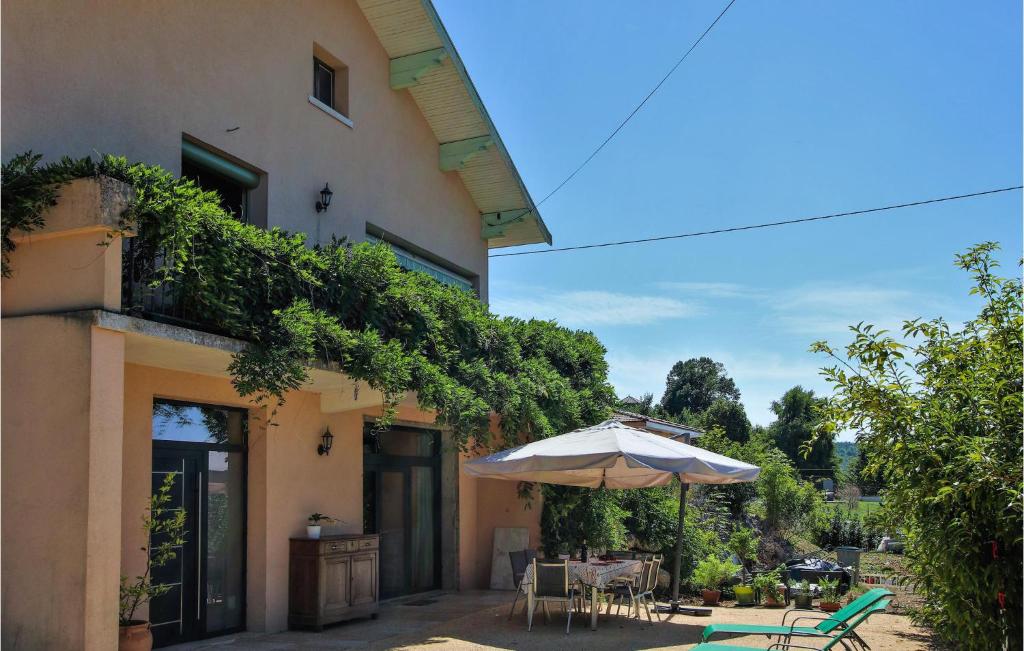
column 420, row 602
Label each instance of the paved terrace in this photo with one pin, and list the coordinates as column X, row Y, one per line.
column 478, row 620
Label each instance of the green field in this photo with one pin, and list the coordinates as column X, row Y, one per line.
column 863, row 508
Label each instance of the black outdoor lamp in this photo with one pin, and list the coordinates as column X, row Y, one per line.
column 325, row 198
column 328, row 440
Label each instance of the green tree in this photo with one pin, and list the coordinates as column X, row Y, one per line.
column 869, row 480
column 730, row 416
column 795, row 425
column 784, row 502
column 939, row 413
column 696, row 383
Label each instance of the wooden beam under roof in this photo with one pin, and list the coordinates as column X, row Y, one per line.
column 406, row 71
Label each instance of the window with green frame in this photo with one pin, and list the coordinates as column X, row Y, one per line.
column 412, row 262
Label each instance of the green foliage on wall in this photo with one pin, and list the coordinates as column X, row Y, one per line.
column 939, row 414
column 28, row 190
column 348, row 307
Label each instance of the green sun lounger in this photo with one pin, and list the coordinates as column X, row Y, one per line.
column 825, row 628
column 786, row 631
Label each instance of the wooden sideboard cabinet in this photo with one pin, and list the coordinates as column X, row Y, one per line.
column 332, row 579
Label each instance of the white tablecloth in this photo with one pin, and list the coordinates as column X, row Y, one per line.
column 594, row 574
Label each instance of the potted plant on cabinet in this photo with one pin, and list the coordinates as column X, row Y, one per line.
column 168, row 524
column 710, row 574
column 314, row 526
column 802, row 595
column 829, row 595
column 768, row 584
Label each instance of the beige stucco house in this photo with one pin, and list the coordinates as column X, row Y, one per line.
column 267, row 102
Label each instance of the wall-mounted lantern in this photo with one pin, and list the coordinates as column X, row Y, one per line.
column 325, row 198
column 326, row 441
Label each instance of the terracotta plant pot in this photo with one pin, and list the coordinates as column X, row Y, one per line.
column 711, row 597
column 136, row 636
column 829, row 606
column 772, row 602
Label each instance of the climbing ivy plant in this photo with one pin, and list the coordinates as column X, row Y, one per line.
column 350, row 307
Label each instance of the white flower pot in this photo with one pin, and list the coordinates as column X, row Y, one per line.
column 313, row 531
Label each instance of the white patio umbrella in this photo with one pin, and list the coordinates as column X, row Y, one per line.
column 615, row 455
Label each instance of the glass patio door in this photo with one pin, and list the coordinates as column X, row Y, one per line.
column 203, row 448
column 402, row 503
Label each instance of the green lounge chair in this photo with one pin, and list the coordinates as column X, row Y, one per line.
column 826, row 627
column 839, row 638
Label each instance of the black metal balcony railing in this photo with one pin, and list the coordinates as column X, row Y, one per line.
column 139, row 296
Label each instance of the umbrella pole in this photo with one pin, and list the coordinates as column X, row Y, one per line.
column 677, row 569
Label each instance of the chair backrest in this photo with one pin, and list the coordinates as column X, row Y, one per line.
column 530, row 555
column 518, row 561
column 551, row 579
column 876, row 607
column 853, row 609
column 652, row 575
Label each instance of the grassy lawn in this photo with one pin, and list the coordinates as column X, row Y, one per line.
column 863, row 508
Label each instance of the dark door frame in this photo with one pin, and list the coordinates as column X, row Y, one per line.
column 375, row 461
column 200, row 495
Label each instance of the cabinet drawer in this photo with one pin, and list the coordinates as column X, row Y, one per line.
column 338, row 547
column 367, row 543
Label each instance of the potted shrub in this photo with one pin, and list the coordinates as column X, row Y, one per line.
column 710, row 574
column 169, row 524
column 802, row 595
column 768, row 584
column 314, row 526
column 829, row 595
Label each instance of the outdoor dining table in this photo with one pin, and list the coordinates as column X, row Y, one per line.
column 594, row 575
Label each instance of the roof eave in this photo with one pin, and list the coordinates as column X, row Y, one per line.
column 534, row 214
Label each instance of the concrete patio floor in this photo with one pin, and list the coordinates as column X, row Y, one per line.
column 478, row 620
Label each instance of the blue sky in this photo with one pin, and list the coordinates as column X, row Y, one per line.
column 785, row 110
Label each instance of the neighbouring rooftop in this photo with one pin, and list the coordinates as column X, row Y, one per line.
column 658, row 425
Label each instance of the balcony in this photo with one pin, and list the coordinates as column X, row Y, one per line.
column 142, row 297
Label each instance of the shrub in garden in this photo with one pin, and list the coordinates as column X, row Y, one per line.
column 939, row 415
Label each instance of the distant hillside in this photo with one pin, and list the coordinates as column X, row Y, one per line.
column 846, row 452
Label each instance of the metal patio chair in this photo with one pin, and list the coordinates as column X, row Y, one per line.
column 626, row 587
column 519, row 561
column 551, row 584
column 649, row 581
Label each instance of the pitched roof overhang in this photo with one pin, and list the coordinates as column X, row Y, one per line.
column 424, row 61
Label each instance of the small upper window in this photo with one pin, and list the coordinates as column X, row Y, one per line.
column 323, row 82
column 330, row 85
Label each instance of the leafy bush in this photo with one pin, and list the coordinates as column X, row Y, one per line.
column 571, row 516
column 829, row 590
column 28, row 190
column 712, row 572
column 785, row 502
column 939, row 415
column 653, row 514
column 847, row 529
column 768, row 583
column 743, row 544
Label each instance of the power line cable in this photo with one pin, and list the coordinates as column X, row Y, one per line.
column 786, row 222
column 632, row 113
